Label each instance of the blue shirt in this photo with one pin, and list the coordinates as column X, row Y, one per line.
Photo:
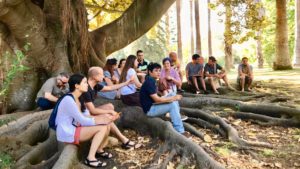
column 148, row 88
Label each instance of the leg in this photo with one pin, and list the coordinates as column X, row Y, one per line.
column 98, row 134
column 224, row 77
column 107, row 106
column 173, row 109
column 211, row 81
column 114, row 129
column 203, row 83
column 249, row 82
column 242, row 83
column 195, row 83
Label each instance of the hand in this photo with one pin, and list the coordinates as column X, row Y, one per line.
column 177, row 97
column 169, row 78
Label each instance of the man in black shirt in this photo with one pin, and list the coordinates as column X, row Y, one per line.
column 211, row 72
column 95, row 76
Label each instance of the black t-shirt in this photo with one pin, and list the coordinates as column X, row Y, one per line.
column 212, row 69
column 148, row 88
column 143, row 66
column 91, row 94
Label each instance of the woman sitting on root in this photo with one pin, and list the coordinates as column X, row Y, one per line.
column 75, row 125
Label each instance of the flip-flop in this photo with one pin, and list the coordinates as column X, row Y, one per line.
column 127, row 145
column 99, row 163
column 104, row 154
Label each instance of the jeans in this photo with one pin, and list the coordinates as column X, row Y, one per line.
column 173, row 109
column 45, row 104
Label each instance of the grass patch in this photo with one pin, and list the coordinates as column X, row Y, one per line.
column 267, row 153
column 6, row 121
column 5, row 161
column 224, row 150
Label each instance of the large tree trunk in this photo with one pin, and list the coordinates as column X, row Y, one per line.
column 209, row 30
column 259, row 54
column 168, row 31
column 198, row 33
column 60, row 41
column 192, row 28
column 283, row 60
column 179, row 40
column 297, row 37
column 227, row 39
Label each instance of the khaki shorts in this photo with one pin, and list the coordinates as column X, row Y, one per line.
column 216, row 81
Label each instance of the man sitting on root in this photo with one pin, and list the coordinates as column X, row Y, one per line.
column 52, row 90
column 153, row 105
column 95, row 76
column 245, row 74
column 211, row 72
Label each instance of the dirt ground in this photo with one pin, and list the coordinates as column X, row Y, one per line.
column 281, row 88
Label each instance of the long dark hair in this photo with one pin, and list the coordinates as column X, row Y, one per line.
column 129, row 64
column 120, row 62
column 109, row 65
column 77, row 79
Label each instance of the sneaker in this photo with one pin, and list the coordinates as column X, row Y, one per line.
column 198, row 92
column 184, row 118
column 186, row 134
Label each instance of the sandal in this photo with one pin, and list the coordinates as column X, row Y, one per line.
column 91, row 162
column 127, row 145
column 104, row 154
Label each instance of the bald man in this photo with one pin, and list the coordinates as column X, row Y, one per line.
column 95, row 76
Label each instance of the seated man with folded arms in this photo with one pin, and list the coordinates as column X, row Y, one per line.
column 245, row 74
column 194, row 73
column 52, row 90
column 95, row 75
column 153, row 105
column 211, row 72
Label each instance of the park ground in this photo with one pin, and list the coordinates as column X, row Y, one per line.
column 280, row 87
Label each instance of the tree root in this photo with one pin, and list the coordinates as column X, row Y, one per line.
column 193, row 130
column 168, row 159
column 264, row 109
column 21, row 123
column 231, row 132
column 207, row 125
column 266, row 120
column 67, row 158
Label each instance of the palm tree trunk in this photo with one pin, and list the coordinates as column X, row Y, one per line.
column 297, row 39
column 283, row 60
column 209, row 30
column 227, row 39
column 179, row 41
column 192, row 28
column 198, row 34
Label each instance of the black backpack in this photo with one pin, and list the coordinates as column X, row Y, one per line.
column 52, row 118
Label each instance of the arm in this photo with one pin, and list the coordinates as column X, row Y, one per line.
column 50, row 97
column 158, row 99
column 95, row 111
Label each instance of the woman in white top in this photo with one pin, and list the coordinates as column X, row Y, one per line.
column 74, row 125
column 129, row 94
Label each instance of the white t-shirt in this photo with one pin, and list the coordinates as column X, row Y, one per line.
column 131, row 88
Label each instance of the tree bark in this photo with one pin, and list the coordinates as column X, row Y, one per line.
column 283, row 60
column 210, row 53
column 228, row 40
column 192, row 28
column 198, row 33
column 179, row 40
column 297, row 37
column 259, row 53
column 168, row 31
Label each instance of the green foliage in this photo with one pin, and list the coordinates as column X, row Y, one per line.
column 6, row 121
column 244, row 19
column 267, row 153
column 5, row 161
column 15, row 68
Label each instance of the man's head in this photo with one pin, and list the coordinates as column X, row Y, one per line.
column 140, row 55
column 196, row 58
column 211, row 60
column 173, row 56
column 244, row 60
column 96, row 73
column 154, row 70
column 62, row 79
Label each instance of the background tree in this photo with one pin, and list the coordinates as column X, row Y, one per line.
column 297, row 31
column 210, row 53
column 179, row 40
column 198, row 33
column 283, row 60
column 192, row 27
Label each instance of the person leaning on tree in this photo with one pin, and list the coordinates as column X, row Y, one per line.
column 245, row 74
column 52, row 90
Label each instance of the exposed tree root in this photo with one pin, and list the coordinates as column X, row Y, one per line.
column 168, row 159
column 207, row 125
column 21, row 123
column 264, row 109
column 67, row 158
column 266, row 120
column 231, row 132
column 193, row 130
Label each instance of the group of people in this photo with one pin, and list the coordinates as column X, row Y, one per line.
column 135, row 81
